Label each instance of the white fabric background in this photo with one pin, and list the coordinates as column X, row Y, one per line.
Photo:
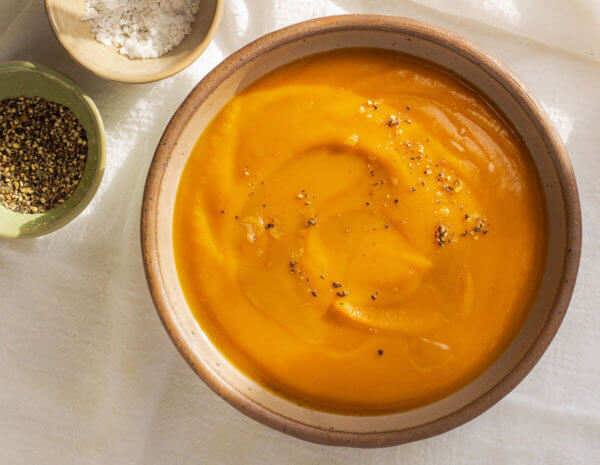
column 87, row 373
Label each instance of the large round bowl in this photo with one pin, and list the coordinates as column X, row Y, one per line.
column 450, row 51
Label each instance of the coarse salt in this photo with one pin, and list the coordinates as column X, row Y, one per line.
column 141, row 28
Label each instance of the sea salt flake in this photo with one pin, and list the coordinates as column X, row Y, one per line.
column 141, row 28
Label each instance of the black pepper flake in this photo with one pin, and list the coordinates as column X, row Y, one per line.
column 441, row 235
column 396, row 200
column 269, row 225
column 342, row 293
column 380, row 352
column 336, row 284
column 311, row 222
column 314, row 293
column 480, row 227
column 373, row 297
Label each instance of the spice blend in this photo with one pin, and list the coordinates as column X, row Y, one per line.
column 43, row 152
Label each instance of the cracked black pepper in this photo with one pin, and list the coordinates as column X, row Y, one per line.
column 43, row 152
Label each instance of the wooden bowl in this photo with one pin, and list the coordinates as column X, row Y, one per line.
column 76, row 37
column 450, row 51
column 31, row 80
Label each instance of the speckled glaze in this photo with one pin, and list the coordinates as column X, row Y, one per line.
column 77, row 39
column 450, row 51
column 30, row 80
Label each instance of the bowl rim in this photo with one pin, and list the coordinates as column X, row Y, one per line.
column 468, row 50
column 97, row 118
column 146, row 78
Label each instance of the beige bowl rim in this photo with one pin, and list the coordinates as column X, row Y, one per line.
column 141, row 78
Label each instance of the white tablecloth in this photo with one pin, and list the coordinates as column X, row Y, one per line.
column 89, row 376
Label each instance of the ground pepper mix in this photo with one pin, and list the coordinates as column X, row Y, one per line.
column 43, row 151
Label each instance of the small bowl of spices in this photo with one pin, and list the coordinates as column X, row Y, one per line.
column 52, row 150
column 134, row 41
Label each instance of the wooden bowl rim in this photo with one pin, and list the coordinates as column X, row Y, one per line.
column 459, row 45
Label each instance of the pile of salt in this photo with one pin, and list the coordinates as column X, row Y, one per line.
column 141, row 28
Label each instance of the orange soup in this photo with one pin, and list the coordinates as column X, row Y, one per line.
column 360, row 232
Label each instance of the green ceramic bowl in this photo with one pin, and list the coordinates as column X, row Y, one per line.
column 31, row 80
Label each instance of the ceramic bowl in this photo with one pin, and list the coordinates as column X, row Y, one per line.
column 76, row 37
column 30, row 80
column 450, row 51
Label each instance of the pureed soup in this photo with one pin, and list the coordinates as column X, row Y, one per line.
column 360, row 232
